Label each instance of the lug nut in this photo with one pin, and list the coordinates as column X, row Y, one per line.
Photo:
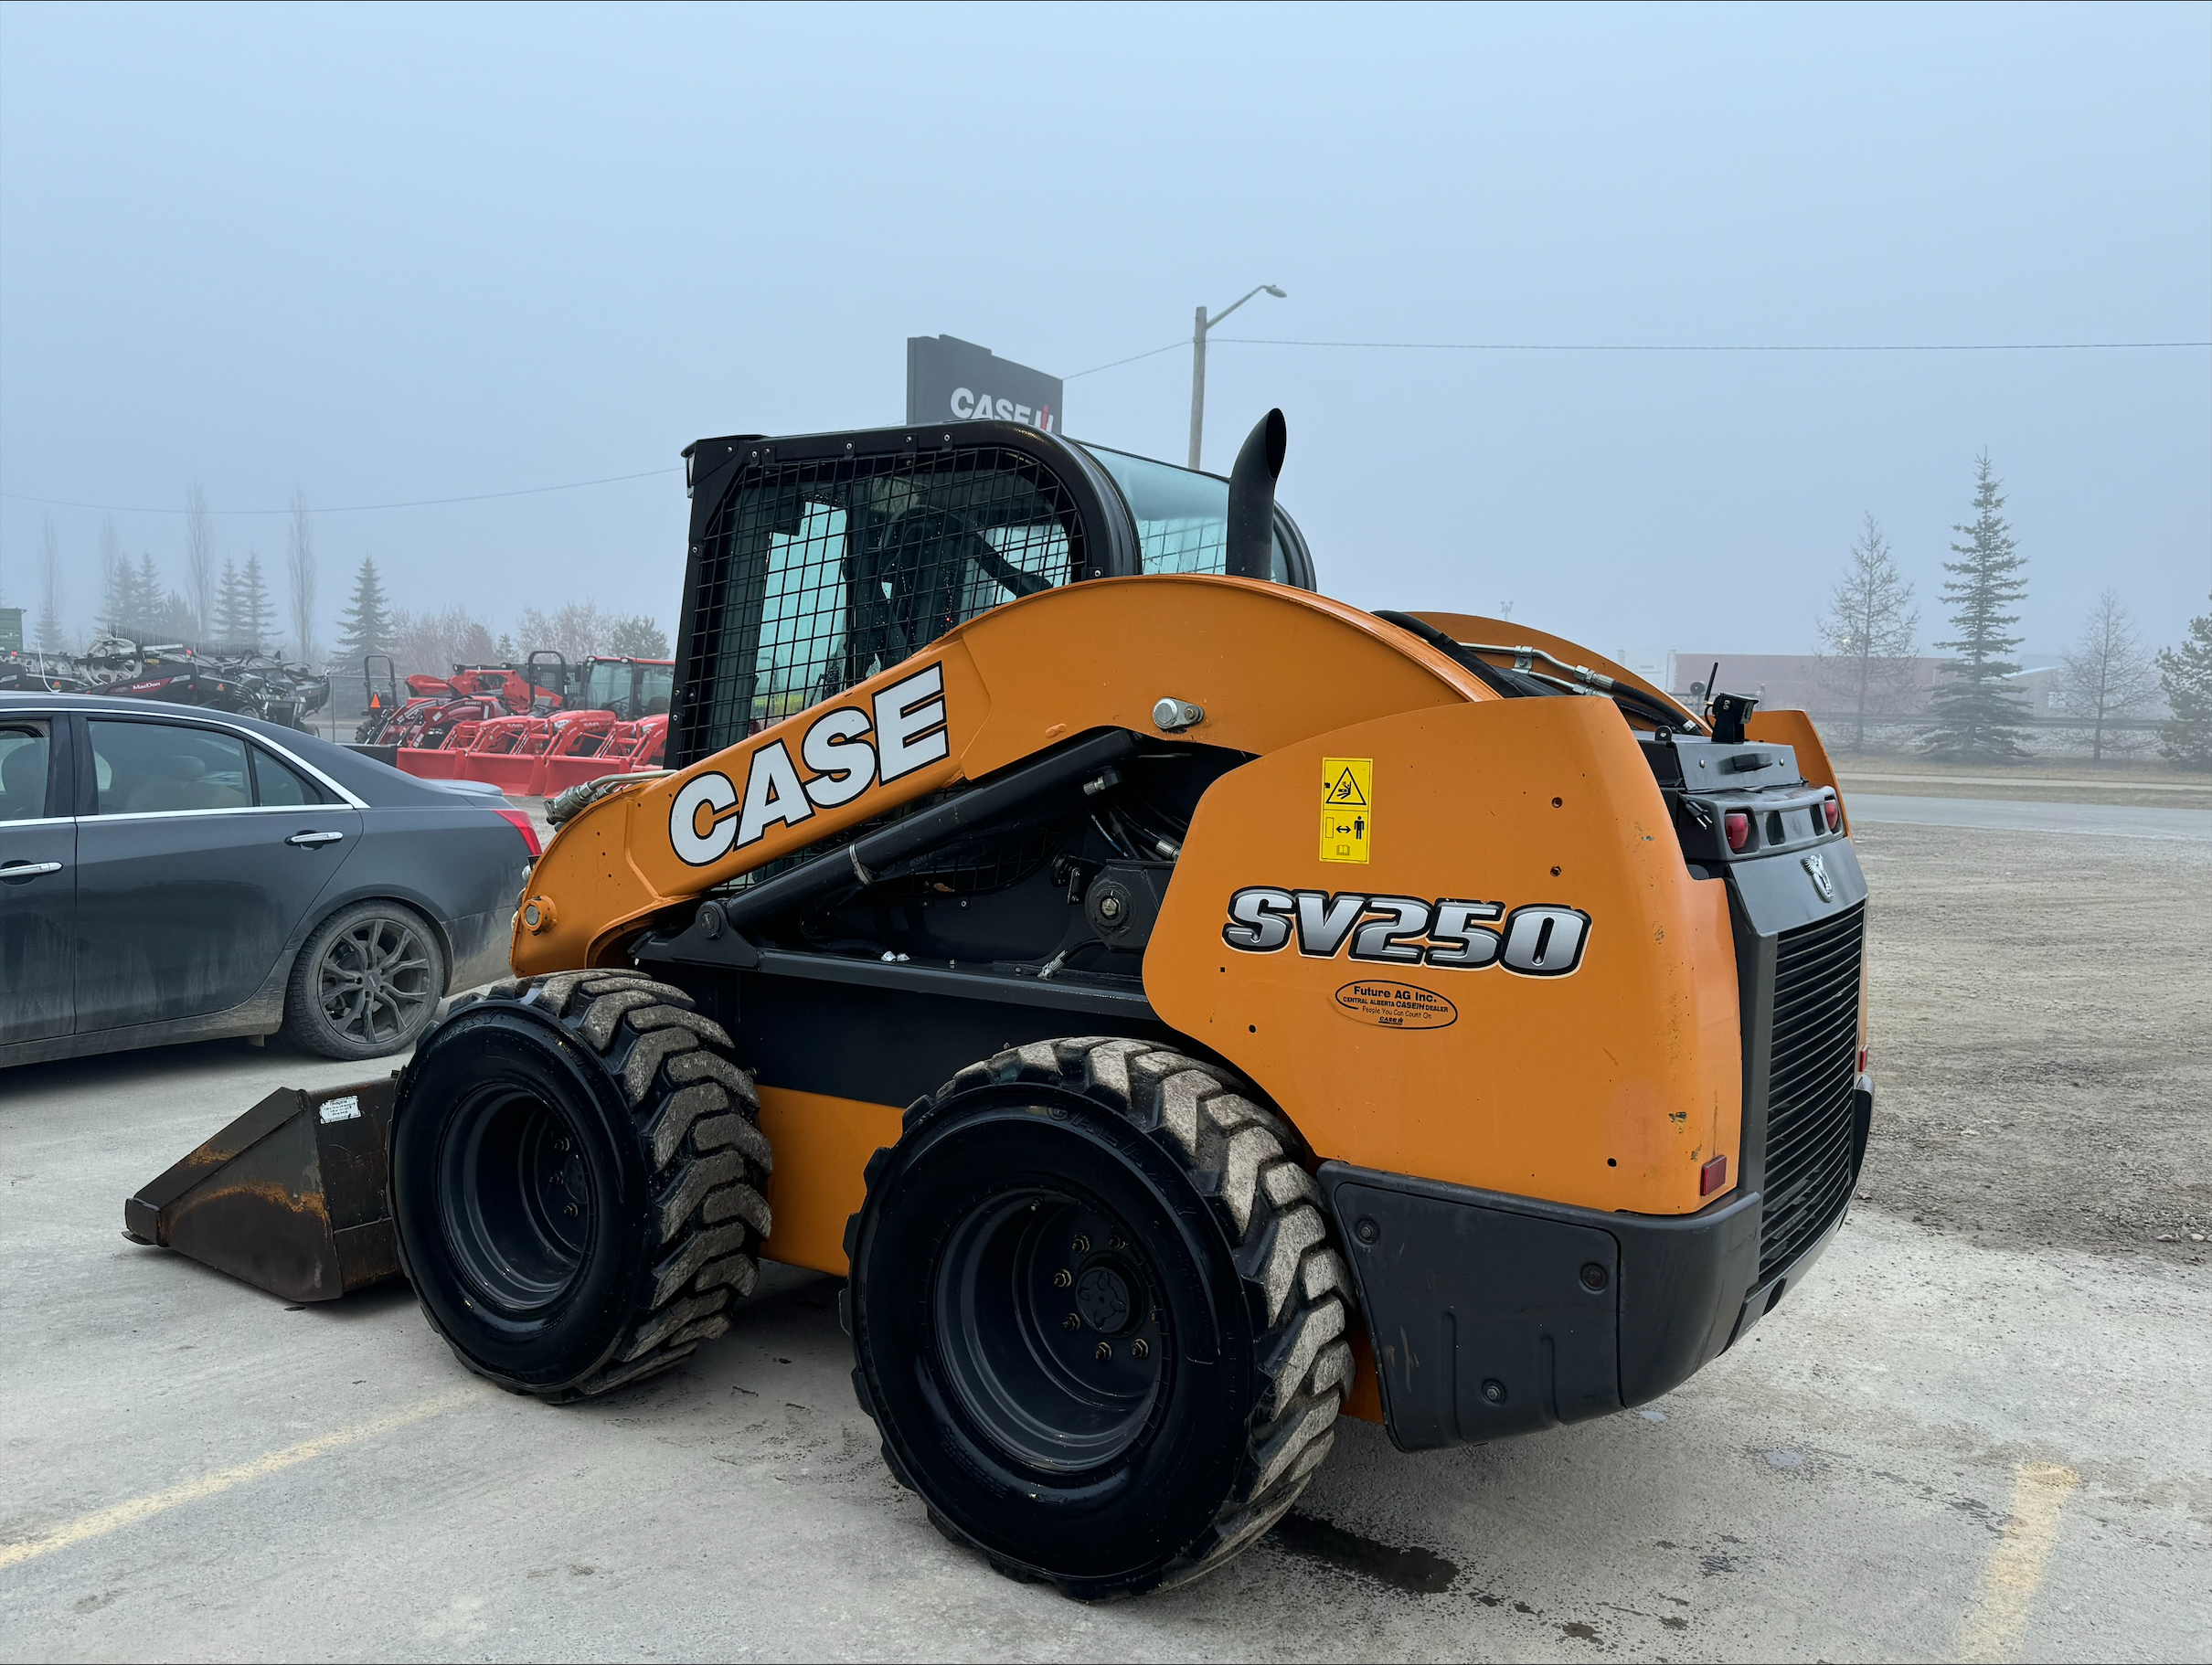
column 1072, row 1321
column 1105, row 1352
column 1062, row 1278
column 1140, row 1349
column 1082, row 1245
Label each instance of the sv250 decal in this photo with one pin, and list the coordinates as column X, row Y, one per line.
column 1541, row 939
column 711, row 817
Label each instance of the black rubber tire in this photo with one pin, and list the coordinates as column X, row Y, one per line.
column 410, row 997
column 1213, row 1229
column 577, row 1180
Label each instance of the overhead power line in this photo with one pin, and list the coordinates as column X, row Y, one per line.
column 353, row 508
column 1151, row 353
column 1600, row 346
column 1571, row 346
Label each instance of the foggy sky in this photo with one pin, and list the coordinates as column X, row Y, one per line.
column 392, row 254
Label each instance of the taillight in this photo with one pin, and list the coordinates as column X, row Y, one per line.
column 520, row 821
column 1713, row 1176
column 1833, row 811
column 1738, row 825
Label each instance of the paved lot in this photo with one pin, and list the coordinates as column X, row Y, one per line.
column 1954, row 1441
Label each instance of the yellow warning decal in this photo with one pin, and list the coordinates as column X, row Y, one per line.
column 1348, row 813
column 1347, row 781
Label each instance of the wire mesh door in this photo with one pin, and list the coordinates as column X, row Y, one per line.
column 818, row 574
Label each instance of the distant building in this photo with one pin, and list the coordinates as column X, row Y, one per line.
column 1806, row 681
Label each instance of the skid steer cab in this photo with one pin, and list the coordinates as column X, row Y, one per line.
column 1184, row 1009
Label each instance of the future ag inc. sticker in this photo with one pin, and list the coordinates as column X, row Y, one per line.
column 1396, row 1005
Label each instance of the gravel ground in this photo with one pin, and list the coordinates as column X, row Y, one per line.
column 2041, row 1032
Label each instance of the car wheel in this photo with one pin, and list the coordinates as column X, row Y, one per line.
column 367, row 983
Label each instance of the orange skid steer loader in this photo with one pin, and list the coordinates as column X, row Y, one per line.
column 1184, row 1009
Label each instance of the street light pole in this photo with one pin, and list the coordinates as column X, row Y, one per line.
column 1197, row 365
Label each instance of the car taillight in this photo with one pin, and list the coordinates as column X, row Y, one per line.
column 1833, row 811
column 1738, row 825
column 520, row 821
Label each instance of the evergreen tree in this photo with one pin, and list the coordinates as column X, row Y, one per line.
column 1868, row 633
column 145, row 602
column 1975, row 716
column 637, row 637
column 229, row 608
column 257, row 613
column 2185, row 675
column 366, row 626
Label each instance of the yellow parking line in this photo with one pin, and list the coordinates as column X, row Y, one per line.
column 190, row 1491
column 1996, row 1622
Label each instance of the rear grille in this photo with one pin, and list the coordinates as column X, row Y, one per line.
column 1814, row 1069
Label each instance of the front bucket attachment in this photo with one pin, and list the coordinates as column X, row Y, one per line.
column 289, row 1197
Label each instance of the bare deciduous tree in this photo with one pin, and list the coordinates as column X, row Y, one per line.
column 575, row 631
column 300, row 566
column 2108, row 675
column 431, row 644
column 200, row 559
column 1867, row 632
column 50, row 591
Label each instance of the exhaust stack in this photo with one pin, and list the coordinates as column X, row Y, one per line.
column 1251, row 499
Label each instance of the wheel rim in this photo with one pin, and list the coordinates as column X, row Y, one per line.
column 1049, row 1329
column 374, row 982
column 515, row 1198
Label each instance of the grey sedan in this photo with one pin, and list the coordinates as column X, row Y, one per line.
column 174, row 875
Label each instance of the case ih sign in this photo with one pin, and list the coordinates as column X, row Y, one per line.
column 949, row 379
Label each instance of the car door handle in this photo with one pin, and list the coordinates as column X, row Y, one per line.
column 307, row 841
column 26, row 870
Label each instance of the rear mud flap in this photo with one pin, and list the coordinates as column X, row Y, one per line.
column 289, row 1197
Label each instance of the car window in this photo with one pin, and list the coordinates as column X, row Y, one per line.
column 23, row 749
column 151, row 768
column 278, row 783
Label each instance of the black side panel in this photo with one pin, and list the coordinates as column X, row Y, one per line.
column 1492, row 1314
column 890, row 1040
column 1485, row 1322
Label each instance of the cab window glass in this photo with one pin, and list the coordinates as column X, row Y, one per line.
column 1182, row 515
column 163, row 768
column 23, row 754
column 277, row 783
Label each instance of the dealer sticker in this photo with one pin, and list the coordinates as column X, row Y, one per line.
column 1396, row 1005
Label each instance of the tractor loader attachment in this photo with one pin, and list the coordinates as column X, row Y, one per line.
column 290, row 1197
column 1182, row 1008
